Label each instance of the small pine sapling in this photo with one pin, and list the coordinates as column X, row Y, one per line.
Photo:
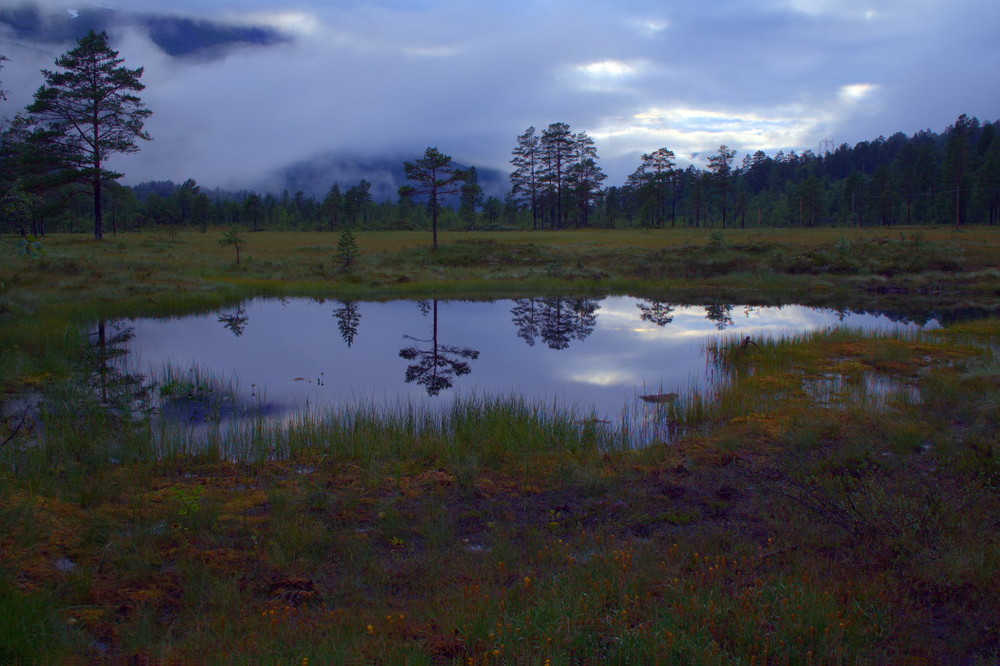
column 347, row 251
column 235, row 238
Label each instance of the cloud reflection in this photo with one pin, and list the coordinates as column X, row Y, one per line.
column 298, row 354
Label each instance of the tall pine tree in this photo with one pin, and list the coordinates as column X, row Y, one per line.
column 436, row 177
column 88, row 111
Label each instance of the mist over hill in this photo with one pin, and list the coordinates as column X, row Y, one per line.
column 314, row 177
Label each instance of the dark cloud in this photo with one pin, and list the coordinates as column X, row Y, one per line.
column 176, row 35
column 379, row 79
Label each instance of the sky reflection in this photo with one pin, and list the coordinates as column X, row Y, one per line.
column 595, row 354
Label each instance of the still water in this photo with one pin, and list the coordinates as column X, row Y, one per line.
column 278, row 357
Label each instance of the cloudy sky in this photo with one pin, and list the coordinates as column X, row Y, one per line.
column 391, row 77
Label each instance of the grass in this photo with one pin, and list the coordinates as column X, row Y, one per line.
column 830, row 497
column 44, row 302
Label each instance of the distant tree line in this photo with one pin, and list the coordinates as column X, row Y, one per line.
column 88, row 110
column 927, row 178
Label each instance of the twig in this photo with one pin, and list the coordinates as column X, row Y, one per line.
column 17, row 428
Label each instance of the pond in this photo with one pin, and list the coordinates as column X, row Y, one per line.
column 275, row 358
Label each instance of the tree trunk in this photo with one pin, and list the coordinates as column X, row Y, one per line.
column 98, row 218
column 434, row 223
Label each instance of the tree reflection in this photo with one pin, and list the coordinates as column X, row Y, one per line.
column 721, row 315
column 235, row 321
column 525, row 318
column 115, row 386
column 556, row 321
column 348, row 317
column 660, row 313
column 436, row 368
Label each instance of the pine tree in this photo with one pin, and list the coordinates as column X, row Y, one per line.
column 720, row 165
column 958, row 158
column 558, row 150
column 3, row 93
column 88, row 112
column 347, row 250
column 653, row 178
column 526, row 161
column 332, row 205
column 254, row 208
column 471, row 197
column 988, row 181
column 235, row 238
column 437, row 177
column 585, row 179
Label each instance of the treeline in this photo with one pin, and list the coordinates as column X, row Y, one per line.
column 927, row 178
column 165, row 205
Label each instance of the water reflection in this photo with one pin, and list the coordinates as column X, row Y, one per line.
column 235, row 321
column 656, row 312
column 438, row 365
column 600, row 354
column 556, row 321
column 348, row 317
column 720, row 315
column 111, row 380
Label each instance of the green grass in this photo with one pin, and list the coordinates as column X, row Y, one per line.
column 500, row 531
column 831, row 497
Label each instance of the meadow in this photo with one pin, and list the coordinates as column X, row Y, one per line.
column 831, row 498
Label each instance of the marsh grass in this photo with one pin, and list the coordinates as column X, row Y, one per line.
column 498, row 530
column 829, row 498
column 504, row 429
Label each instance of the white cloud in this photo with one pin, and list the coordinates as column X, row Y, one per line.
column 604, row 377
column 608, row 69
column 650, row 27
column 690, row 131
column 293, row 22
column 835, row 8
column 857, row 92
column 433, row 51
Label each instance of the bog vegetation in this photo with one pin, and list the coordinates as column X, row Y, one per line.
column 833, row 497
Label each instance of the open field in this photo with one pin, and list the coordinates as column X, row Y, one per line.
column 833, row 498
